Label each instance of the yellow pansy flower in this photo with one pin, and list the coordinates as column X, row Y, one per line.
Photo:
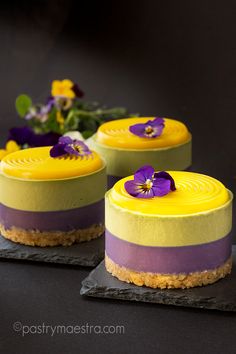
column 63, row 88
column 11, row 146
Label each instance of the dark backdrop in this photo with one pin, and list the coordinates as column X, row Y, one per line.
column 166, row 58
column 170, row 58
column 157, row 57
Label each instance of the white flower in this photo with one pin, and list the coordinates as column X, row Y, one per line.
column 75, row 135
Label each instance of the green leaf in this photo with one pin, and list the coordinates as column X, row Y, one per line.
column 87, row 133
column 23, row 103
column 89, row 124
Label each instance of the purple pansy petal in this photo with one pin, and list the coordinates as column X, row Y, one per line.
column 137, row 191
column 50, row 102
column 132, row 188
column 77, row 90
column 137, row 129
column 83, row 149
column 47, row 139
column 166, row 176
column 25, row 135
column 143, row 173
column 81, row 144
column 87, row 152
column 161, row 187
column 65, row 140
column 70, row 150
column 58, row 150
column 156, row 121
column 21, row 135
column 146, row 194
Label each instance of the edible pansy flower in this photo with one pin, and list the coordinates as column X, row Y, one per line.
column 39, row 113
column 150, row 129
column 77, row 90
column 148, row 184
column 11, row 146
column 68, row 146
column 21, row 135
column 26, row 136
column 50, row 102
column 63, row 88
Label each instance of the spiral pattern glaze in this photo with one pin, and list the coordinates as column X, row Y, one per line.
column 194, row 193
column 36, row 163
column 116, row 134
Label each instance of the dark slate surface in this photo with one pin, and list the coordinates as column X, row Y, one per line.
column 87, row 254
column 218, row 296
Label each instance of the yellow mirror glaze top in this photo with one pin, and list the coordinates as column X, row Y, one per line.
column 116, row 134
column 37, row 164
column 194, row 193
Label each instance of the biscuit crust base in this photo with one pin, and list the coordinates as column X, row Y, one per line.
column 168, row 281
column 51, row 238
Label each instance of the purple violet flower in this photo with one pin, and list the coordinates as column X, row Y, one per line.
column 21, row 135
column 47, row 139
column 38, row 112
column 66, row 145
column 26, row 135
column 150, row 129
column 147, row 184
column 77, row 90
column 50, row 103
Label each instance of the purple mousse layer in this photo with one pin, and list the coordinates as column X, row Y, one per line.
column 168, row 260
column 65, row 220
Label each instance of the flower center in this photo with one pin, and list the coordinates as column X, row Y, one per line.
column 149, row 130
column 77, row 148
column 148, row 185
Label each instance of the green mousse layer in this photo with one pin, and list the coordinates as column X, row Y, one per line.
column 52, row 195
column 124, row 162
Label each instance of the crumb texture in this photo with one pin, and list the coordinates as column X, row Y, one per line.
column 51, row 238
column 168, row 281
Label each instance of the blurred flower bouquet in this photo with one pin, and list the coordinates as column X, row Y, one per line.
column 63, row 112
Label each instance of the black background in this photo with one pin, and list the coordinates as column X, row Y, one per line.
column 166, row 58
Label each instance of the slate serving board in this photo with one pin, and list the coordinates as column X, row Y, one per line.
column 218, row 296
column 87, row 254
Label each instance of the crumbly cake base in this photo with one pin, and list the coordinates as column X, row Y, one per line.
column 168, row 281
column 51, row 238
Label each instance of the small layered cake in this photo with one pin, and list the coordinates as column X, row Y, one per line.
column 129, row 143
column 168, row 230
column 52, row 200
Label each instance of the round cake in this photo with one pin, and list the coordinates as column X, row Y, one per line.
column 46, row 201
column 177, row 240
column 125, row 149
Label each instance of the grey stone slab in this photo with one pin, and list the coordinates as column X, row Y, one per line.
column 87, row 254
column 218, row 296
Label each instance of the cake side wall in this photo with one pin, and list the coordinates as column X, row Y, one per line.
column 173, row 231
column 121, row 162
column 52, row 195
